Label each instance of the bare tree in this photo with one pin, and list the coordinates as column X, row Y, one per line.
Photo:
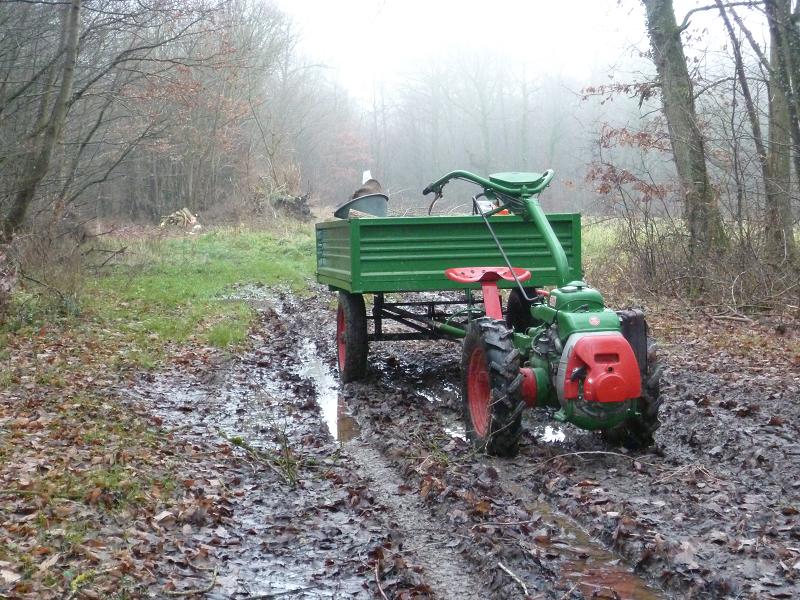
column 703, row 218
column 784, row 124
column 775, row 161
column 47, row 132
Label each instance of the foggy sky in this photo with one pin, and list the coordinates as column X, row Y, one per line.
column 366, row 42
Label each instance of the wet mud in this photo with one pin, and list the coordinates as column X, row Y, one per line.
column 391, row 500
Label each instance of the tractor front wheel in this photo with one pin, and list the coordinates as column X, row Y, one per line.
column 490, row 388
column 351, row 337
column 637, row 433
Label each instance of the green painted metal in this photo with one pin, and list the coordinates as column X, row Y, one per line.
column 516, row 185
column 516, row 179
column 522, row 343
column 576, row 307
column 574, row 295
column 604, row 415
column 575, row 322
column 410, row 254
column 450, row 330
column 536, row 214
column 544, row 388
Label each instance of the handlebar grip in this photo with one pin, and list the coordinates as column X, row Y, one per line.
column 427, row 190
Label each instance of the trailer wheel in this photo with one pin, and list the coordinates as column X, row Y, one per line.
column 637, row 433
column 490, row 388
column 351, row 337
column 518, row 310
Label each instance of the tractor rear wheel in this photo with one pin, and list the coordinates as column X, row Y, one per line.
column 490, row 388
column 637, row 433
column 351, row 337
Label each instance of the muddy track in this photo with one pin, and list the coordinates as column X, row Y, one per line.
column 709, row 512
column 408, row 421
column 401, row 504
column 447, row 573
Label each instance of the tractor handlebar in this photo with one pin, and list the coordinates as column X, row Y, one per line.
column 521, row 199
column 487, row 184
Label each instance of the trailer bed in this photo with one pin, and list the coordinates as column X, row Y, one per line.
column 410, row 254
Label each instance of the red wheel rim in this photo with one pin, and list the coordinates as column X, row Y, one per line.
column 479, row 392
column 340, row 337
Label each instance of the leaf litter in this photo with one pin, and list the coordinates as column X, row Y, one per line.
column 218, row 477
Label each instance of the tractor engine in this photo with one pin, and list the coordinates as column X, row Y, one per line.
column 595, row 358
column 598, row 367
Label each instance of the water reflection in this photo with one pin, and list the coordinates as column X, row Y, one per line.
column 332, row 403
column 552, row 434
column 346, row 426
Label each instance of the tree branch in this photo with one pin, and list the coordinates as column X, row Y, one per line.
column 685, row 23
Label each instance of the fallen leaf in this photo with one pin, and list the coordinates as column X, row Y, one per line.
column 9, row 577
column 50, row 562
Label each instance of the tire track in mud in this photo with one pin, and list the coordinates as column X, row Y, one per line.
column 710, row 512
column 562, row 560
column 446, row 572
column 301, row 519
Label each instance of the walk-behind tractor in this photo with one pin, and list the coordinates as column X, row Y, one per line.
column 561, row 348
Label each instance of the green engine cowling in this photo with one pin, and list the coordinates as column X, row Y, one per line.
column 591, row 372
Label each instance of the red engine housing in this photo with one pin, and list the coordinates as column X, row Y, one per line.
column 606, row 365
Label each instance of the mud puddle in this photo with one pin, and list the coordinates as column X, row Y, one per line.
column 587, row 564
column 341, row 425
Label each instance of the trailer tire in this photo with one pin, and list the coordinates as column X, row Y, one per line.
column 518, row 310
column 351, row 337
column 637, row 433
column 490, row 387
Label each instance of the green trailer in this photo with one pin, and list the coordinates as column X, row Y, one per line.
column 553, row 343
column 411, row 254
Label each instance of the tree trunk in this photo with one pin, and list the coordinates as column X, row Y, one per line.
column 45, row 143
column 703, row 219
column 775, row 162
column 785, row 39
column 783, row 126
column 778, row 227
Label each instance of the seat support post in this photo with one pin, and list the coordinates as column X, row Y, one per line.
column 491, row 300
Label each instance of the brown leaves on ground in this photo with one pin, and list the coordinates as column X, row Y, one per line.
column 700, row 339
column 93, row 496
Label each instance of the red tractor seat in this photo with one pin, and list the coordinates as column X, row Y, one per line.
column 488, row 277
column 481, row 274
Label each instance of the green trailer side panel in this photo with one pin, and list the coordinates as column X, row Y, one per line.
column 334, row 249
column 410, row 254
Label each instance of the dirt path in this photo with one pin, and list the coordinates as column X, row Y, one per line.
column 447, row 573
column 402, row 505
column 311, row 519
column 711, row 511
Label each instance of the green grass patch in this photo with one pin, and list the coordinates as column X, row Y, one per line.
column 232, row 330
column 599, row 238
column 175, row 290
